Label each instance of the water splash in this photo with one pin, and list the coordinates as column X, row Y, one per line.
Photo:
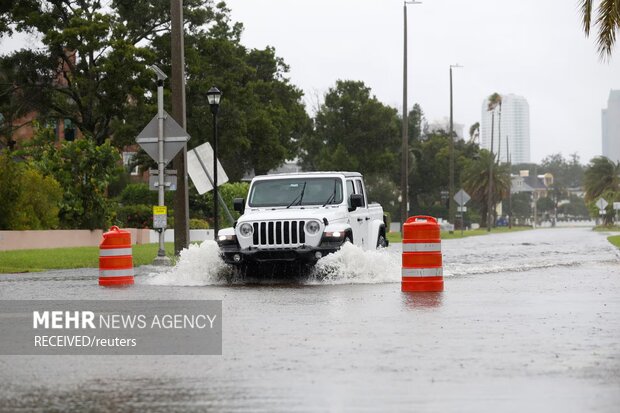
column 197, row 265
column 353, row 265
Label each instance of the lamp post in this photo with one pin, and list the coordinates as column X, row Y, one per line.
column 404, row 179
column 451, row 149
column 214, row 95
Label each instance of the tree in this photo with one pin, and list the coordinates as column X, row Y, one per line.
column 601, row 175
column 91, row 69
column 474, row 132
column 353, row 131
column 476, row 179
column 608, row 22
column 84, row 170
column 28, row 200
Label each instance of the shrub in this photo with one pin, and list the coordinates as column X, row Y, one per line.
column 28, row 200
column 138, row 194
column 135, row 216
column 196, row 223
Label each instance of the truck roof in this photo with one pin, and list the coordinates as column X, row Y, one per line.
column 316, row 173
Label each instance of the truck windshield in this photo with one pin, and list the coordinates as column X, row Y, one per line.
column 296, row 191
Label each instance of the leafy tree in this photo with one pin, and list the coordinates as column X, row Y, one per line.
column 201, row 206
column 476, row 181
column 83, row 170
column 353, row 131
column 28, row 200
column 9, row 188
column 37, row 205
column 429, row 176
column 602, row 180
column 608, row 22
column 91, row 69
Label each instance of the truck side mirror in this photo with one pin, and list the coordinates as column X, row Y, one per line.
column 239, row 205
column 357, row 201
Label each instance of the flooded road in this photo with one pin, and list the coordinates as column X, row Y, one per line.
column 528, row 321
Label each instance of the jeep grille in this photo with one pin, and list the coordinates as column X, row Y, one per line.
column 279, row 233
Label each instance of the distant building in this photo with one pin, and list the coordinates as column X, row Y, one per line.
column 515, row 129
column 611, row 127
column 444, row 126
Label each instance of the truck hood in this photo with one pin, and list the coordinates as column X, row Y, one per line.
column 267, row 214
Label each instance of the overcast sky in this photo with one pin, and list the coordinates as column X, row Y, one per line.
column 533, row 48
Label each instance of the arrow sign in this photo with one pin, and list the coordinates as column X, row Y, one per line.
column 601, row 203
column 175, row 138
column 462, row 197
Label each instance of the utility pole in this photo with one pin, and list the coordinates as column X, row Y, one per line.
column 451, row 148
column 177, row 86
column 510, row 183
column 404, row 179
column 490, row 193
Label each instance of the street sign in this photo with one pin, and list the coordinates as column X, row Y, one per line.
column 616, row 205
column 170, row 179
column 462, row 197
column 601, row 203
column 160, row 214
column 200, row 168
column 175, row 138
column 462, row 209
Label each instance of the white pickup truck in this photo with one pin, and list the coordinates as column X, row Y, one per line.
column 299, row 218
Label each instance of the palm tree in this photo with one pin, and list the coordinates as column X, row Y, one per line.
column 474, row 132
column 494, row 100
column 608, row 21
column 601, row 176
column 477, row 179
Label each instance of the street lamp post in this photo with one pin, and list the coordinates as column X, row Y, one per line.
column 214, row 95
column 404, row 179
column 451, row 148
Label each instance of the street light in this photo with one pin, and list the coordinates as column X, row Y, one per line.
column 451, row 148
column 213, row 96
column 404, row 180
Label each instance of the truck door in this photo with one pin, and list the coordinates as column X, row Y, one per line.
column 358, row 218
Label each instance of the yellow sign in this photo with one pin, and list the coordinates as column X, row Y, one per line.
column 160, row 210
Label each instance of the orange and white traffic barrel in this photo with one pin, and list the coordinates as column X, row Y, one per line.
column 422, row 268
column 115, row 258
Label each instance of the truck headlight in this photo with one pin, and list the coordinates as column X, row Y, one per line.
column 312, row 227
column 246, row 230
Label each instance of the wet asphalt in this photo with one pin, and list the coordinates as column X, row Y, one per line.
column 528, row 321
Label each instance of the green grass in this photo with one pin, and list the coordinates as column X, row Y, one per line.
column 604, row 228
column 614, row 240
column 395, row 236
column 65, row 258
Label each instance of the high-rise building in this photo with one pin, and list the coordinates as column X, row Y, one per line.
column 514, row 127
column 611, row 127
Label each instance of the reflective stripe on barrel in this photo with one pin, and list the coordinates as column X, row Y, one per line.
column 112, row 252
column 421, row 246
column 128, row 272
column 422, row 272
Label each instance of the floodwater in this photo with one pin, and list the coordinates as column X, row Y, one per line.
column 528, row 321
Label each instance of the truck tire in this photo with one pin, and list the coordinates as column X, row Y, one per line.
column 381, row 241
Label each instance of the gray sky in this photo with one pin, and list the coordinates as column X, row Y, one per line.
column 533, row 48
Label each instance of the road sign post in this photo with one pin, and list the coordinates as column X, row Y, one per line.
column 162, row 139
column 462, row 198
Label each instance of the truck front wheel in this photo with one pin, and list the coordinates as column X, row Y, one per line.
column 381, row 241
